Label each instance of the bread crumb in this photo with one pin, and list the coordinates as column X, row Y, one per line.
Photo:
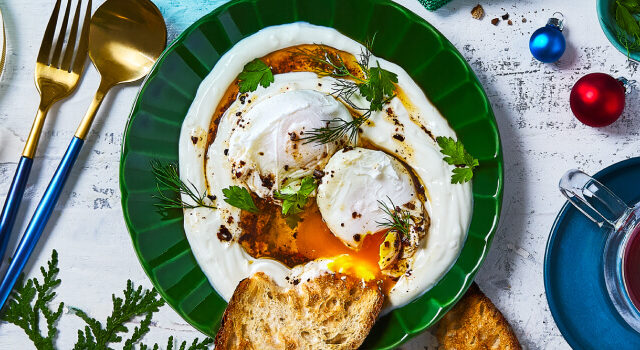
column 524, row 20
column 505, row 16
column 495, row 21
column 509, row 22
column 477, row 12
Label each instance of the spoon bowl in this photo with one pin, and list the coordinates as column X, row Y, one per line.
column 126, row 38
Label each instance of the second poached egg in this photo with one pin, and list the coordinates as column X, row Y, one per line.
column 354, row 181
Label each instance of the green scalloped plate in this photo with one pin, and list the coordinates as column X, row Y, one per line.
column 402, row 37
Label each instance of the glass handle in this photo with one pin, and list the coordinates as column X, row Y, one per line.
column 593, row 199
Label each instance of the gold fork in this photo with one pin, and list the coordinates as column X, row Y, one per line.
column 57, row 75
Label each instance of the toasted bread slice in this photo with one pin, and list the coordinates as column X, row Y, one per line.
column 328, row 312
column 475, row 323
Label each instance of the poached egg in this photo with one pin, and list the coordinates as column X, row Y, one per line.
column 267, row 148
column 355, row 181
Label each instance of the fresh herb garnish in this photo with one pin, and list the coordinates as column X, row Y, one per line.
column 136, row 302
column 254, row 73
column 397, row 219
column 375, row 84
column 24, row 312
column 379, row 87
column 240, row 197
column 628, row 31
column 294, row 198
column 195, row 345
column 168, row 178
column 455, row 154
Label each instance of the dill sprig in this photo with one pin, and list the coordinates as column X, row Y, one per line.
column 335, row 129
column 168, row 178
column 328, row 64
column 397, row 219
column 28, row 301
column 375, row 84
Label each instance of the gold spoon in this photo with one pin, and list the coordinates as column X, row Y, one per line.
column 126, row 38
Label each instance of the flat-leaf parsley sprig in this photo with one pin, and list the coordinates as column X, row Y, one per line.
column 375, row 84
column 397, row 218
column 294, row 199
column 254, row 73
column 168, row 178
column 628, row 27
column 240, row 198
column 455, row 154
column 30, row 300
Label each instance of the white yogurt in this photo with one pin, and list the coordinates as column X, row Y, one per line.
column 226, row 264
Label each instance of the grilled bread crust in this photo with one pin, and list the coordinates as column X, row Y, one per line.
column 328, row 312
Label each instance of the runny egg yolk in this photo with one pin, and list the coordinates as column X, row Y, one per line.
column 314, row 240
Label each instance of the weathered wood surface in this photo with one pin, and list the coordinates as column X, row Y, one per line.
column 540, row 136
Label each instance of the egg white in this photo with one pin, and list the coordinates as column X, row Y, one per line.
column 355, row 181
column 226, row 264
column 261, row 145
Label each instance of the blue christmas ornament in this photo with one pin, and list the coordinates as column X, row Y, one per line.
column 547, row 44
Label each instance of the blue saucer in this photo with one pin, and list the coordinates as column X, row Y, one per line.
column 573, row 274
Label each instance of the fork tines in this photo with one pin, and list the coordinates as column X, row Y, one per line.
column 55, row 58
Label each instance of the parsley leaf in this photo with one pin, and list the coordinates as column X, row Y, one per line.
column 454, row 151
column 632, row 5
column 461, row 175
column 292, row 220
column 626, row 21
column 24, row 313
column 239, row 197
column 455, row 154
column 294, row 198
column 627, row 28
column 379, row 87
column 255, row 73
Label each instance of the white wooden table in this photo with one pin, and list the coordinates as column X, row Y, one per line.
column 541, row 140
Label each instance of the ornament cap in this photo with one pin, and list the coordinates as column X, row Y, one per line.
column 627, row 84
column 556, row 21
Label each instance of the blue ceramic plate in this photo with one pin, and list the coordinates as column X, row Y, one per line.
column 573, row 274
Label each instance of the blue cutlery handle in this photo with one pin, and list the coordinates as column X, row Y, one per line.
column 12, row 202
column 39, row 219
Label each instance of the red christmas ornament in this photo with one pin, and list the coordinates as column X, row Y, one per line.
column 597, row 99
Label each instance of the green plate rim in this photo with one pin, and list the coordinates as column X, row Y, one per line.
column 498, row 158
